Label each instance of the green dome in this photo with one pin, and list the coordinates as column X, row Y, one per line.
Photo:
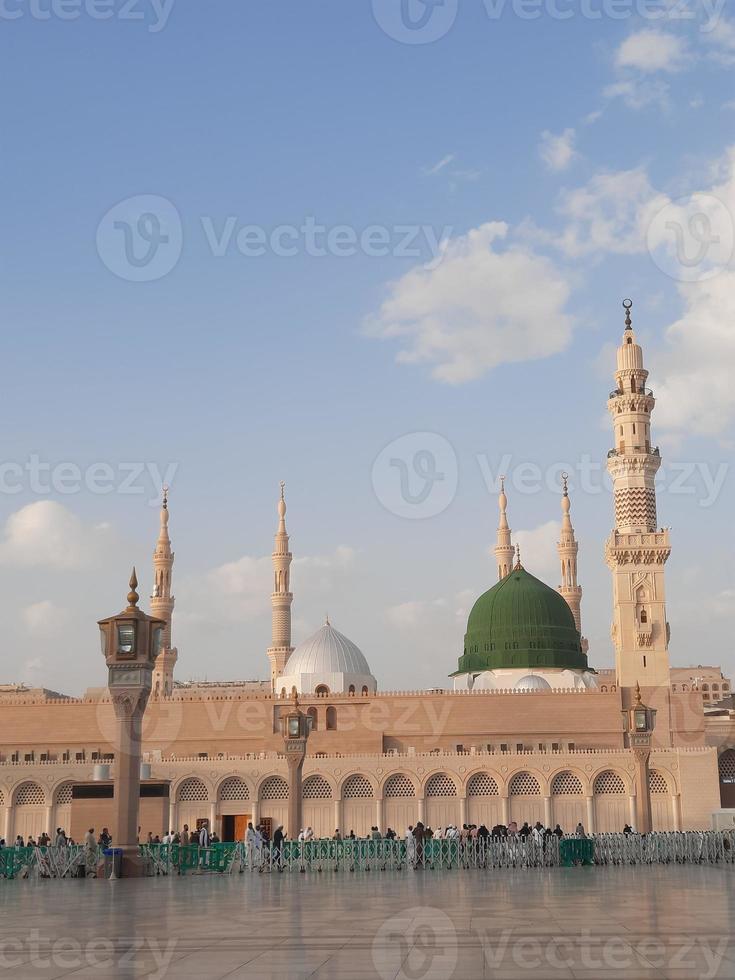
column 521, row 622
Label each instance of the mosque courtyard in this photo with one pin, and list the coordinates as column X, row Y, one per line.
column 580, row 922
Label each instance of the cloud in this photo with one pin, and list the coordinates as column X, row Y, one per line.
column 638, row 93
column 437, row 168
column 650, row 51
column 43, row 619
column 240, row 591
column 538, row 550
column 609, row 214
column 474, row 311
column 46, row 534
column 722, row 41
column 557, row 150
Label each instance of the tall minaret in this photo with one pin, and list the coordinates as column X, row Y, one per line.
column 162, row 606
column 280, row 649
column 568, row 549
column 637, row 549
column 504, row 552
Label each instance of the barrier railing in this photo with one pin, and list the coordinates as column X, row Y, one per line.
column 363, row 855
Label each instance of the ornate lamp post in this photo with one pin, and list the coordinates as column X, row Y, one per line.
column 130, row 644
column 638, row 725
column 295, row 731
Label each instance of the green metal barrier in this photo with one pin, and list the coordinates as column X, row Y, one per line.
column 183, row 858
column 576, row 851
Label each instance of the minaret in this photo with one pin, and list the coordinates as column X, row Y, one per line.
column 637, row 549
column 162, row 606
column 503, row 549
column 568, row 549
column 280, row 649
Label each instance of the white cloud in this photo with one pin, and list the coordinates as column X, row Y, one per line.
column 437, row 168
column 638, row 93
column 46, row 534
column 474, row 310
column 651, row 51
column 43, row 619
column 538, row 550
column 557, row 149
column 722, row 41
column 610, row 213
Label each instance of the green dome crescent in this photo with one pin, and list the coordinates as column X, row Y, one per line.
column 521, row 622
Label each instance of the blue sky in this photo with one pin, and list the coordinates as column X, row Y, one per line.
column 555, row 158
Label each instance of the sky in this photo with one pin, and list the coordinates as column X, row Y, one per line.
column 377, row 250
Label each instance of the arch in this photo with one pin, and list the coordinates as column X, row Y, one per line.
column 273, row 788
column 610, row 801
column 400, row 807
column 358, row 804
column 62, row 794
column 524, row 784
column 440, row 784
column 322, row 691
column 659, row 787
column 657, row 782
column 312, row 714
column 357, row 786
column 192, row 790
column 29, row 793
column 316, row 787
column 566, row 783
column 365, row 689
column 398, row 785
column 233, row 789
column 331, row 719
column 29, row 814
column 482, row 784
column 568, row 806
column 318, row 805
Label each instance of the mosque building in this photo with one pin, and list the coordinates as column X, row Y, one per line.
column 525, row 729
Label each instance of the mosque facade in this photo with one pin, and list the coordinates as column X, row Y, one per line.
column 525, row 728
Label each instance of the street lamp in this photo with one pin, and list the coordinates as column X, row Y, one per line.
column 295, row 729
column 639, row 722
column 130, row 643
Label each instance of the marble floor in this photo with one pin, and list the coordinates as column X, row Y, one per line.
column 576, row 922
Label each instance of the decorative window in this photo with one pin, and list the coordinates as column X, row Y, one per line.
column 322, row 690
column 727, row 766
column 608, row 783
column 566, row 784
column 312, row 716
column 274, row 788
column 364, row 689
column 234, row 789
column 30, row 794
column 2, row 798
column 657, row 783
column 357, row 788
column 441, row 785
column 317, row 788
column 63, row 793
column 482, row 785
column 524, row 784
column 192, row 791
column 397, row 786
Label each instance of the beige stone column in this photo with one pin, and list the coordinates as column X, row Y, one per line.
column 129, row 708
column 8, row 824
column 632, row 815
column 590, row 828
column 49, row 817
column 676, row 807
column 338, row 816
column 256, row 813
column 173, row 817
column 462, row 811
column 422, row 809
column 643, row 793
column 213, row 818
column 505, row 803
column 379, row 813
column 547, row 811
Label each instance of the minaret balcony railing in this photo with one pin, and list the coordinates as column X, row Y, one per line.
column 641, row 450
column 642, row 391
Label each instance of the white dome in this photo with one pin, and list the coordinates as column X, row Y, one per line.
column 532, row 682
column 327, row 652
column 484, row 682
column 327, row 660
